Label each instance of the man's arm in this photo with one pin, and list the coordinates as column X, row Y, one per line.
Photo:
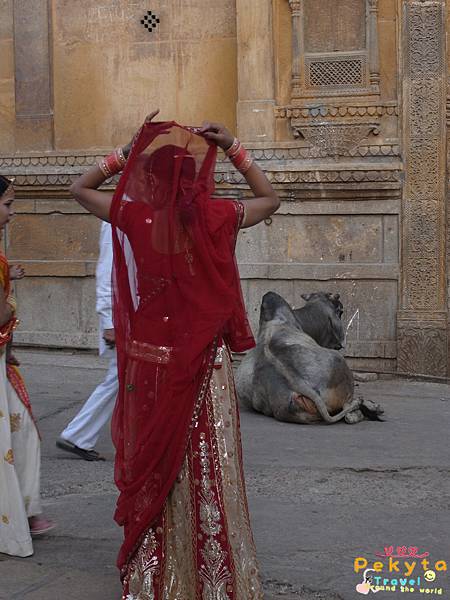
column 103, row 285
column 103, row 277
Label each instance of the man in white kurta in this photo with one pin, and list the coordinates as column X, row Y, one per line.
column 82, row 433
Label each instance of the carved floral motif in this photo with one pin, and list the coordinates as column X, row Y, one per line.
column 424, row 197
column 422, row 340
column 422, row 351
column 333, row 139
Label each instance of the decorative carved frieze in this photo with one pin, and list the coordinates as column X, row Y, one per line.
column 336, row 111
column 422, row 340
column 53, row 174
column 424, row 198
column 49, row 160
column 318, row 177
column 63, row 165
column 303, row 152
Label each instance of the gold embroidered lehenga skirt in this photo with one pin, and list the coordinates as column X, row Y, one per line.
column 201, row 547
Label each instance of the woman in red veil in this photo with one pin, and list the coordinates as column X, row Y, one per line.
column 178, row 311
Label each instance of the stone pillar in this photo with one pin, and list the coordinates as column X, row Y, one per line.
column 297, row 46
column 255, row 63
column 422, row 320
column 372, row 31
column 34, row 95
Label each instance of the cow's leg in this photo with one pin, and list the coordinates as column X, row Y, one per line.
column 355, row 416
column 271, row 394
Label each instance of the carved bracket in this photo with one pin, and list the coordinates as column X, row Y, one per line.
column 333, row 139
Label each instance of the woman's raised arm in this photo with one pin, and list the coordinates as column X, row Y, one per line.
column 85, row 188
column 266, row 201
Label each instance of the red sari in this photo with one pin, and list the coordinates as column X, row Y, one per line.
column 177, row 298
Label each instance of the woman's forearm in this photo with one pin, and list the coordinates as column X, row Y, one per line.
column 85, row 191
column 261, row 186
column 92, row 180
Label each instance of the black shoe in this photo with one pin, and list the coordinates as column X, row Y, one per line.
column 90, row 455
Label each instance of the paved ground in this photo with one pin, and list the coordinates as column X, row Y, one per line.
column 319, row 496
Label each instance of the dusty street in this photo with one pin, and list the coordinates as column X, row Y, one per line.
column 320, row 496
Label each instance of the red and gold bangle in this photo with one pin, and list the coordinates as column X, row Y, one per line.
column 121, row 156
column 246, row 163
column 239, row 156
column 113, row 163
column 233, row 148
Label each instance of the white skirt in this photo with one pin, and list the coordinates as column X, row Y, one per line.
column 20, row 459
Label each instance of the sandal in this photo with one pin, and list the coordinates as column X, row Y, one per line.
column 89, row 455
column 40, row 525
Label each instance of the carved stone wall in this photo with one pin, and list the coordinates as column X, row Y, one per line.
column 422, row 322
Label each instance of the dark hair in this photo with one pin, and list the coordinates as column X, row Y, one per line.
column 4, row 184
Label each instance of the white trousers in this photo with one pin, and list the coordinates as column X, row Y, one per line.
column 84, row 429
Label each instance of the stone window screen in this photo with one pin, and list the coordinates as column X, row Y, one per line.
column 335, row 71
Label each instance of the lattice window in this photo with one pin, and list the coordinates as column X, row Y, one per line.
column 345, row 72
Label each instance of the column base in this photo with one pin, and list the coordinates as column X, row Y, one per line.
column 422, row 347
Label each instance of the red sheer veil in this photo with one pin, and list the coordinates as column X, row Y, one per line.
column 176, row 295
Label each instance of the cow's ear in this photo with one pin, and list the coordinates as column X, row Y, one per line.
column 306, row 297
column 337, row 297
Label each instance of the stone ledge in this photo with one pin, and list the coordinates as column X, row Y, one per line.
column 319, row 272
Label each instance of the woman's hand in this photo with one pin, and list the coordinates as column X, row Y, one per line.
column 85, row 191
column 217, row 133
column 127, row 149
column 109, row 335
column 16, row 272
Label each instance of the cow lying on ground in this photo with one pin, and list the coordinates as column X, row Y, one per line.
column 320, row 318
column 290, row 376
